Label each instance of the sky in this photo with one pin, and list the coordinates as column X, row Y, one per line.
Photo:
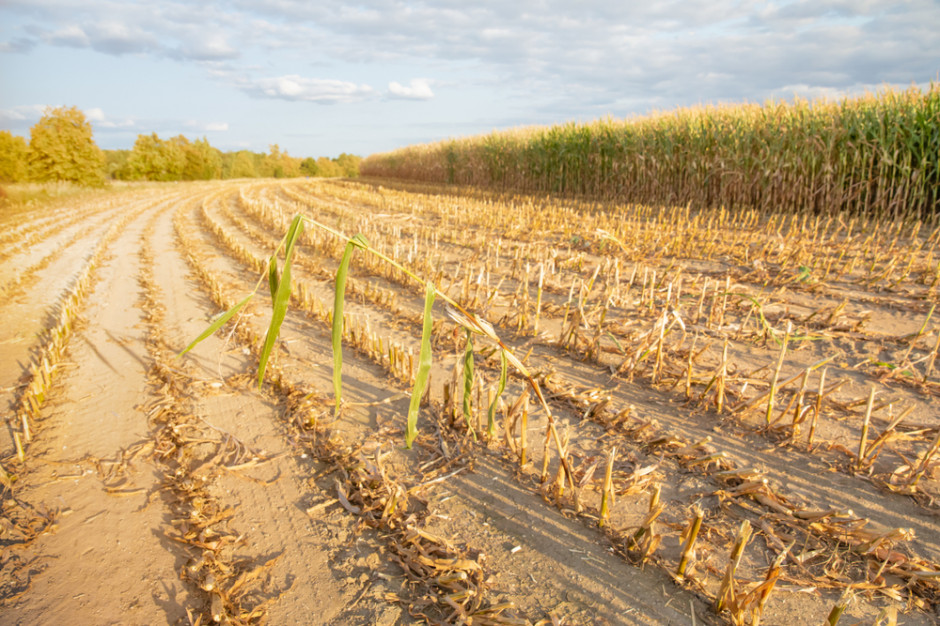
column 321, row 77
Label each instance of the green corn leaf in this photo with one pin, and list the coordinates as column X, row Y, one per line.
column 616, row 342
column 218, row 323
column 424, row 368
column 360, row 241
column 293, row 233
column 338, row 299
column 281, row 297
column 272, row 275
column 468, row 381
column 503, row 371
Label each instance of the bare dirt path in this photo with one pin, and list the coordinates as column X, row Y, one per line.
column 89, row 463
column 268, row 502
column 37, row 292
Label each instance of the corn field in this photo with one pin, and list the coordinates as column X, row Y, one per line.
column 876, row 155
column 390, row 402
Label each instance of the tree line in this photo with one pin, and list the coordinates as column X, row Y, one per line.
column 61, row 148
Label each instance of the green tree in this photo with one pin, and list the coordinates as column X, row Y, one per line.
column 62, row 148
column 116, row 161
column 145, row 160
column 243, row 165
column 14, row 154
column 308, row 167
column 155, row 159
column 279, row 164
column 201, row 160
column 174, row 151
column 328, row 168
column 270, row 166
column 349, row 164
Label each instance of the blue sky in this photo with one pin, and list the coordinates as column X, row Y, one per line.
column 320, row 77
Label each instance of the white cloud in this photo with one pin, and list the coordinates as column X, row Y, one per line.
column 19, row 44
column 21, row 116
column 210, row 47
column 298, row 88
column 216, row 127
column 127, row 124
column 491, row 34
column 542, row 60
column 544, row 49
column 70, row 35
column 115, row 37
column 164, row 28
column 108, row 36
column 99, row 120
column 417, row 89
column 95, row 115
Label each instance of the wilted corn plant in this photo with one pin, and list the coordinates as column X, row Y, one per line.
column 280, row 289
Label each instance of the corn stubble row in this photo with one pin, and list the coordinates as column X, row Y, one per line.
column 876, row 154
column 800, row 252
column 834, row 530
column 44, row 362
column 20, row 237
column 21, row 522
column 764, row 328
column 453, row 579
column 664, row 355
column 469, row 604
column 228, row 589
column 25, row 276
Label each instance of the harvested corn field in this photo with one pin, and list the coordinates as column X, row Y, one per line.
column 632, row 414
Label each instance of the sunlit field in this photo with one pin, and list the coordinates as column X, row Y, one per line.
column 632, row 413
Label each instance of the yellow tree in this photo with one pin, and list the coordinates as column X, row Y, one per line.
column 13, row 157
column 62, row 148
column 156, row 159
column 243, row 165
column 203, row 162
column 279, row 164
column 328, row 168
column 349, row 164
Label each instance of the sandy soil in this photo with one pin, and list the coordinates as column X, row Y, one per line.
column 156, row 489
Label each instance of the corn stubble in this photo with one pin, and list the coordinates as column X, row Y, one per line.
column 655, row 325
column 620, row 304
column 368, row 489
column 234, row 591
column 602, row 285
